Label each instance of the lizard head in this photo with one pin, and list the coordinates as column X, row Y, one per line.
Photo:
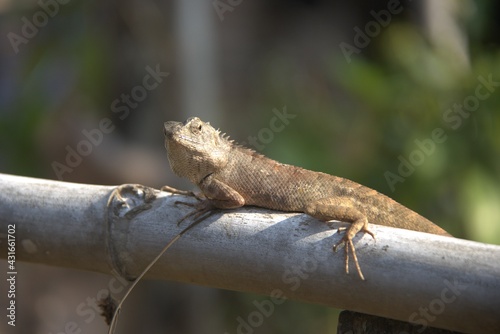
column 195, row 149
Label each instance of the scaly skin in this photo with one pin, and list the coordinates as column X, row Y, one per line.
column 231, row 176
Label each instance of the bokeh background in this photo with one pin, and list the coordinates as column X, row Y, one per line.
column 363, row 80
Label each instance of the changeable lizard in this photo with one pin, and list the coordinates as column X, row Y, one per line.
column 231, row 176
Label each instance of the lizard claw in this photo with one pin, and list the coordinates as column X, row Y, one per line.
column 349, row 246
column 198, row 196
column 201, row 211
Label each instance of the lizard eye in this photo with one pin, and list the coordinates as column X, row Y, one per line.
column 196, row 128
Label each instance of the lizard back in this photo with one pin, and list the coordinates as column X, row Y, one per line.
column 266, row 183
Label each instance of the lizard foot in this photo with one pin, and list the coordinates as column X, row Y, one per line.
column 349, row 246
column 175, row 191
column 202, row 210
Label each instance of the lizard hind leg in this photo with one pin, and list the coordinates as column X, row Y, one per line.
column 360, row 225
column 342, row 209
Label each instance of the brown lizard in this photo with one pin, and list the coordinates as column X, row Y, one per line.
column 231, row 176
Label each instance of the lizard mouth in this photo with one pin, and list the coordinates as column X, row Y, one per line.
column 172, row 131
column 187, row 138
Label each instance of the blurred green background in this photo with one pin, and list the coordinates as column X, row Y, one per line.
column 364, row 82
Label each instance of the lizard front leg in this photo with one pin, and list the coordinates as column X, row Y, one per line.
column 343, row 209
column 215, row 195
column 220, row 195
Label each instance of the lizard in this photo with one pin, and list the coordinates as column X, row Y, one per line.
column 231, row 176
